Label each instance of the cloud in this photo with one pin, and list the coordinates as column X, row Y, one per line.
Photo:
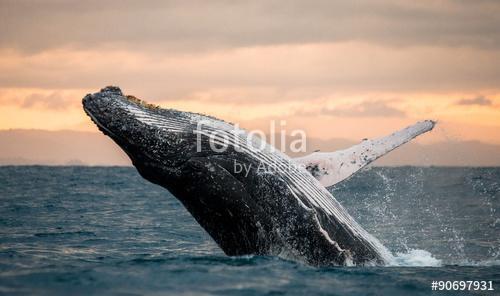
column 479, row 101
column 40, row 99
column 364, row 109
column 206, row 25
column 54, row 100
column 259, row 73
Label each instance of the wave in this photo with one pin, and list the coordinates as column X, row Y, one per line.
column 417, row 258
column 423, row 258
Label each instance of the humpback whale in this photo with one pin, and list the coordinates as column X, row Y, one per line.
column 285, row 212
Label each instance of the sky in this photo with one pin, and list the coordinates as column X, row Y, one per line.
column 336, row 69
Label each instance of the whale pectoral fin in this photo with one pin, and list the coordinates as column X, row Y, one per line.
column 331, row 168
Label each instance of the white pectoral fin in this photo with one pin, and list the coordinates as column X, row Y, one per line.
column 332, row 167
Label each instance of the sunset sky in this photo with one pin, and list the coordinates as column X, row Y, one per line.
column 338, row 69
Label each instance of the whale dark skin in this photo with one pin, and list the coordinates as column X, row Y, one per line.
column 281, row 212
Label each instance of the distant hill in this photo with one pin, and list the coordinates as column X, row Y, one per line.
column 26, row 147
column 22, row 147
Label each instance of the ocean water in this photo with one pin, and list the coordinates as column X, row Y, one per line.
column 106, row 231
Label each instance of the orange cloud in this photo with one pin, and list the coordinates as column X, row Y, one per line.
column 54, row 100
column 355, row 85
column 283, row 72
column 479, row 100
column 363, row 109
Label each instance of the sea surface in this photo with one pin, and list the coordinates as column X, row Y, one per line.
column 106, row 231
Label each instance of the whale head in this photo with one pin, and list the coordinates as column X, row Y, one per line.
column 155, row 139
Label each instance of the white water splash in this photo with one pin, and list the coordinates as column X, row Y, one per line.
column 417, row 258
